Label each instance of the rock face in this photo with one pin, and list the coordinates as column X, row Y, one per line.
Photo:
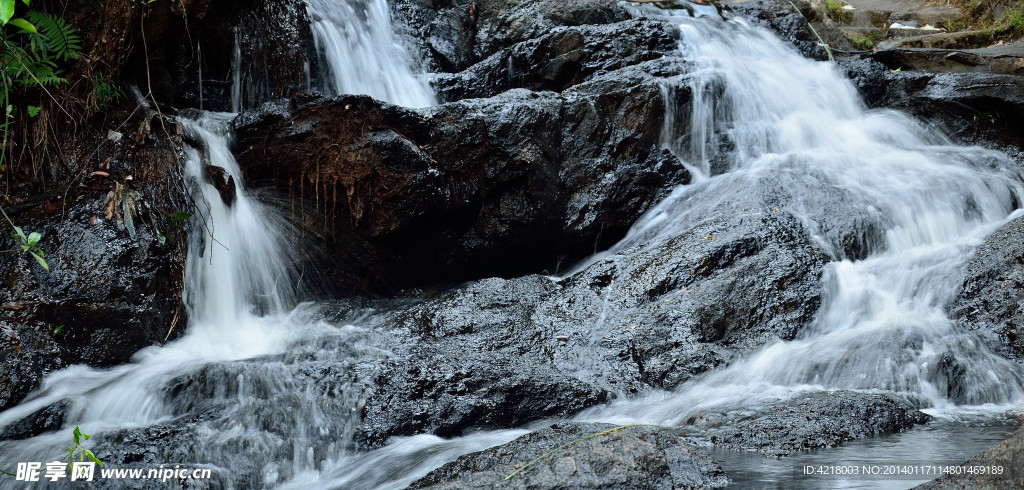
column 563, row 57
column 454, row 34
column 114, row 286
column 630, row 457
column 818, row 421
column 191, row 50
column 655, row 312
column 481, row 187
column 989, row 301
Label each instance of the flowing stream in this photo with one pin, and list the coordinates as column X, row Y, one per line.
column 264, row 379
column 364, row 56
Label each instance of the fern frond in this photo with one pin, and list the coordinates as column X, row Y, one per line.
column 61, row 37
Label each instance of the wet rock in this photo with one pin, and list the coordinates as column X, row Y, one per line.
column 502, row 374
column 990, row 298
column 454, row 34
column 1007, row 456
column 675, row 300
column 788, row 23
column 630, row 457
column 27, row 353
column 46, row 419
column 482, row 187
column 562, row 58
column 225, row 184
column 111, row 295
column 817, row 421
column 277, row 56
column 975, row 108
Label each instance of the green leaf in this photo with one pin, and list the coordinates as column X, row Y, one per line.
column 78, row 435
column 93, row 457
column 86, row 436
column 21, row 234
column 26, row 2
column 33, row 238
column 61, row 38
column 41, row 260
column 182, row 216
column 6, row 11
column 33, row 111
column 24, row 24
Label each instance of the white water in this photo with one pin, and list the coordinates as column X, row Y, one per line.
column 239, row 288
column 882, row 325
column 357, row 42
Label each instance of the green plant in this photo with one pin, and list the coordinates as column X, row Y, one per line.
column 105, row 90
column 80, row 451
column 1014, row 17
column 29, row 243
column 30, row 49
column 834, row 10
column 75, row 450
column 862, row 42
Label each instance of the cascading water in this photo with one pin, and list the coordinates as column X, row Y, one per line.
column 239, row 290
column 364, row 56
column 882, row 325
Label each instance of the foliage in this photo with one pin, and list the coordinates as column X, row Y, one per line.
column 79, row 450
column 75, row 450
column 834, row 10
column 105, row 90
column 30, row 49
column 1014, row 17
column 29, row 243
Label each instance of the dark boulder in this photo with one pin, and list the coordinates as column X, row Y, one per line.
column 816, row 421
column 609, row 457
column 46, row 419
column 563, row 57
column 791, row 24
column 27, row 353
column 676, row 299
column 191, row 52
column 481, row 187
column 454, row 34
column 990, row 299
column 475, row 358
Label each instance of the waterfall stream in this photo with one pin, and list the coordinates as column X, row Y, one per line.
column 363, row 54
column 249, row 373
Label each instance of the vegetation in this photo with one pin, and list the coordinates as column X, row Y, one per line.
column 1003, row 19
column 75, row 451
column 834, row 10
column 29, row 243
column 32, row 49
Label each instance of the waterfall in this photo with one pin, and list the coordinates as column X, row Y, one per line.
column 240, row 288
column 882, row 325
column 363, row 55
